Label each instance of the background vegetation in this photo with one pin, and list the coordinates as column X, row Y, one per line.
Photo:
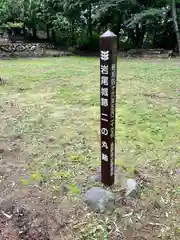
column 78, row 23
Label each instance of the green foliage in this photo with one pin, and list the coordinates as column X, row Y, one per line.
column 95, row 231
column 25, row 181
column 74, row 190
column 72, row 23
column 10, row 25
column 36, row 176
column 149, row 15
column 61, row 174
column 88, row 44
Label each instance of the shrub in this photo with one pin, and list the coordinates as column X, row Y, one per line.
column 88, row 43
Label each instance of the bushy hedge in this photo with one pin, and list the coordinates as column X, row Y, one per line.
column 88, row 43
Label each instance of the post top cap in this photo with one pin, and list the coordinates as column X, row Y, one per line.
column 108, row 33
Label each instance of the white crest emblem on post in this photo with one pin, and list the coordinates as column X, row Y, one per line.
column 104, row 55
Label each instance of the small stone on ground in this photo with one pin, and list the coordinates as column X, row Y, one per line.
column 2, row 81
column 99, row 199
column 131, row 188
column 64, row 188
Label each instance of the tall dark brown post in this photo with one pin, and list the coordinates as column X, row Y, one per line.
column 108, row 73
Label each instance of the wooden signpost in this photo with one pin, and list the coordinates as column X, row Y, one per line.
column 108, row 73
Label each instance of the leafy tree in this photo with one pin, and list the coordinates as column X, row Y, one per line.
column 137, row 21
column 176, row 27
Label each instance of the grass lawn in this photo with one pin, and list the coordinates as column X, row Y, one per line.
column 49, row 125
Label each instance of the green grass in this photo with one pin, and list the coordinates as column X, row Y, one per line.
column 54, row 104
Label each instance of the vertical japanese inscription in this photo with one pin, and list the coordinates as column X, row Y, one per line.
column 108, row 69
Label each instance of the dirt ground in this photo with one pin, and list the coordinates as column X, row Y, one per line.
column 30, row 213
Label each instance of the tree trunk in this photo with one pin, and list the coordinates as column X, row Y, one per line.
column 138, row 36
column 34, row 31
column 89, row 20
column 140, row 33
column 118, row 26
column 53, row 36
column 47, row 31
column 154, row 38
column 72, row 33
column 176, row 27
column 24, row 31
column 143, row 34
column 132, row 37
